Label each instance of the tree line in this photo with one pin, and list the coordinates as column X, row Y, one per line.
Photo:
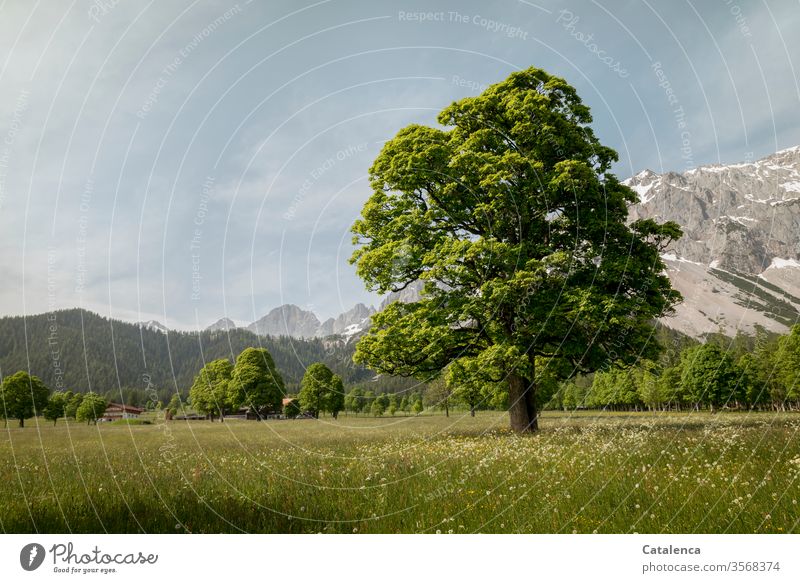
column 761, row 372
column 82, row 351
column 23, row 396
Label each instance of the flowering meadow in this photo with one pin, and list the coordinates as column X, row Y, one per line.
column 584, row 472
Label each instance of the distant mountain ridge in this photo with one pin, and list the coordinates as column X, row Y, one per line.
column 295, row 322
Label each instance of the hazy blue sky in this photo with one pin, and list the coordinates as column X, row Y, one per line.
column 187, row 160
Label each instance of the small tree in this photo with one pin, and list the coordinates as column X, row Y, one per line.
column 465, row 384
column 291, row 409
column 438, row 393
column 175, row 404
column 354, row 401
column 23, row 396
column 91, row 408
column 377, row 409
column 56, row 406
column 392, row 404
column 417, row 407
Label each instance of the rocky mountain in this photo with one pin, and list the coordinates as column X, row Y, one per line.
column 223, row 324
column 287, row 320
column 353, row 321
column 737, row 264
column 291, row 320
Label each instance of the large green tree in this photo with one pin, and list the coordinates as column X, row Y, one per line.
column 255, row 382
column 210, row 393
column 511, row 219
column 321, row 390
column 23, row 396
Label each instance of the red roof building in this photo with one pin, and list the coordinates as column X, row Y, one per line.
column 116, row 411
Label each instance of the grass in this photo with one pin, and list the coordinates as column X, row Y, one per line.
column 586, row 472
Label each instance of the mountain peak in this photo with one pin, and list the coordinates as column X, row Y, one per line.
column 223, row 324
column 154, row 325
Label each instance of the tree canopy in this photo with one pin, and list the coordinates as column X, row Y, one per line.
column 91, row 408
column 510, row 218
column 255, row 382
column 210, row 392
column 23, row 396
column 321, row 390
column 57, row 405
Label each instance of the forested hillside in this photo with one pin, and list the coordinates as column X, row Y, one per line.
column 80, row 351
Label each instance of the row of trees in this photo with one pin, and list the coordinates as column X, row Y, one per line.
column 710, row 375
column 23, row 396
column 252, row 382
column 360, row 401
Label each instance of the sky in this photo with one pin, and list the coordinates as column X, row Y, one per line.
column 187, row 160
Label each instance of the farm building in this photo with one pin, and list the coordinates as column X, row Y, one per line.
column 116, row 411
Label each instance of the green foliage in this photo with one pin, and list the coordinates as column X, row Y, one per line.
column 466, row 384
column 787, row 364
column 91, row 408
column 709, row 376
column 211, row 391
column 377, row 409
column 175, row 404
column 71, row 408
column 22, row 396
column 438, row 395
column 354, row 400
column 321, row 390
column 255, row 382
column 615, row 388
column 56, row 406
column 513, row 222
column 292, row 409
column 416, row 406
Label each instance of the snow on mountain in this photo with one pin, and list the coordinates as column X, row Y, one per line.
column 737, row 263
column 154, row 325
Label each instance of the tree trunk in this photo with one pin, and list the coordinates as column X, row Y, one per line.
column 472, row 411
column 446, row 408
column 522, row 404
column 21, row 422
